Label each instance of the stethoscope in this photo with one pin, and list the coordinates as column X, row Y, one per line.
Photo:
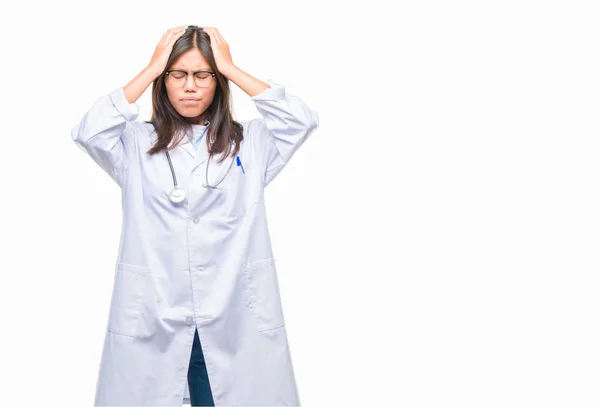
column 178, row 194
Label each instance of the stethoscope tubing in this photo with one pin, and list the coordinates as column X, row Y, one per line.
column 178, row 194
column 172, row 170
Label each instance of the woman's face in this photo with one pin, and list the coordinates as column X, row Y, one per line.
column 187, row 87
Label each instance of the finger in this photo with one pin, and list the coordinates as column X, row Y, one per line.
column 214, row 35
column 173, row 29
column 174, row 35
column 167, row 36
column 217, row 35
column 220, row 36
column 180, row 32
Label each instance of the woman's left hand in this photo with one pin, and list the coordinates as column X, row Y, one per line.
column 220, row 50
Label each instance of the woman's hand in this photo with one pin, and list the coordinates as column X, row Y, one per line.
column 163, row 49
column 220, row 50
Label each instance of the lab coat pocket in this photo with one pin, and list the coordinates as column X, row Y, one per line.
column 237, row 192
column 126, row 301
column 262, row 289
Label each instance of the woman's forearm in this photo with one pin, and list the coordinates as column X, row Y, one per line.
column 249, row 84
column 138, row 85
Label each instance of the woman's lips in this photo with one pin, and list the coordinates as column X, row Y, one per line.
column 189, row 101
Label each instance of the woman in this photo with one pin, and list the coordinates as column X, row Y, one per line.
column 195, row 305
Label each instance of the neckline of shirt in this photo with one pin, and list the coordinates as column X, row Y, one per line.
column 197, row 132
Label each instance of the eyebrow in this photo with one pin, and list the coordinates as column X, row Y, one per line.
column 201, row 69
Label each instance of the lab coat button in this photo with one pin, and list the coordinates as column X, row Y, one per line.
column 196, row 220
column 189, row 320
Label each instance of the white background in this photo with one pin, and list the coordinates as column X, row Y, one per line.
column 436, row 237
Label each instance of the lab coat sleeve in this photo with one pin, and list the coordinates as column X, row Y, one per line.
column 107, row 133
column 287, row 122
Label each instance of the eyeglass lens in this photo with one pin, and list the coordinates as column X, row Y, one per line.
column 202, row 79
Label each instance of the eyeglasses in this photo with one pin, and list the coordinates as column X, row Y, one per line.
column 178, row 77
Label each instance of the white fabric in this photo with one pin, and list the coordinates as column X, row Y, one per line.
column 207, row 263
column 197, row 135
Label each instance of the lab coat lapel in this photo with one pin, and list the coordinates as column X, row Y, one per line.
column 216, row 170
column 200, row 155
column 187, row 146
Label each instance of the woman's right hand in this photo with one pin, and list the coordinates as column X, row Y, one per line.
column 163, row 49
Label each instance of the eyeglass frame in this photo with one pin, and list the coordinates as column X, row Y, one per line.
column 190, row 72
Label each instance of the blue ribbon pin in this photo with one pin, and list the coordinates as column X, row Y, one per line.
column 239, row 163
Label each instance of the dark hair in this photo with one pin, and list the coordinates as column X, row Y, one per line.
column 168, row 122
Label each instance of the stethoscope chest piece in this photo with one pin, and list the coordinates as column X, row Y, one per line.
column 177, row 195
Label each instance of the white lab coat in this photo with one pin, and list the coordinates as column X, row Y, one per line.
column 207, row 264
